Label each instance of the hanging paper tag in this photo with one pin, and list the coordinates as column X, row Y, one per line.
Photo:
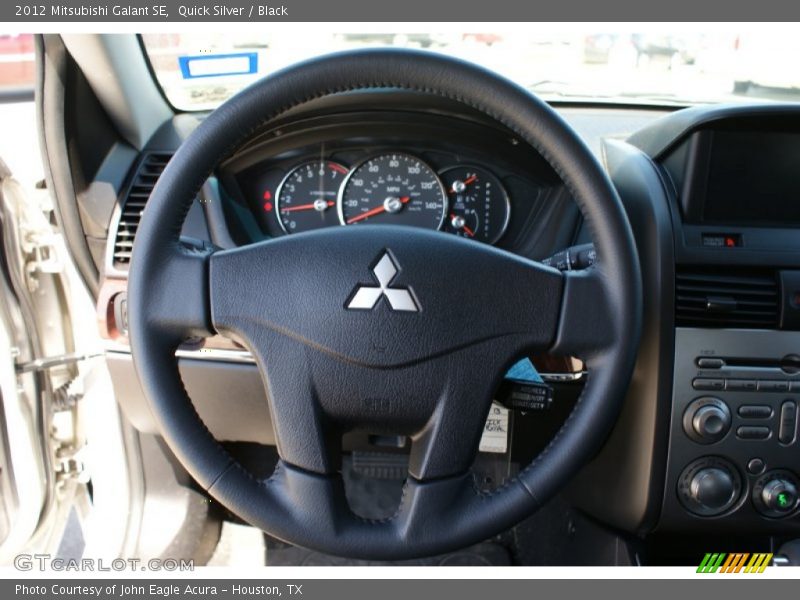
column 495, row 431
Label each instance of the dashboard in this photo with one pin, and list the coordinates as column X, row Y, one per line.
column 445, row 173
column 692, row 452
column 731, row 181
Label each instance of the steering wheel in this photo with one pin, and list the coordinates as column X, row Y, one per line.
column 362, row 327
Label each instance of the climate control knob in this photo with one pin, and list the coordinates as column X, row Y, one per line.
column 709, row 486
column 712, row 488
column 779, row 495
column 775, row 493
column 707, row 420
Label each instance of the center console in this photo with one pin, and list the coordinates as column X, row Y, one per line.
column 734, row 456
column 733, row 460
column 707, row 445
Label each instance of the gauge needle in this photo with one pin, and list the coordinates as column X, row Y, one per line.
column 462, row 185
column 465, row 228
column 375, row 211
column 311, row 206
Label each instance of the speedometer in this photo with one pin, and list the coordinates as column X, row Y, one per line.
column 393, row 188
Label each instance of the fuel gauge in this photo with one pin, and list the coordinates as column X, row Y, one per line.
column 478, row 205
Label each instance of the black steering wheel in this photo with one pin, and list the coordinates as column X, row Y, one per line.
column 335, row 359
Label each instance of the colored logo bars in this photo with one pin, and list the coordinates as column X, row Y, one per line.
column 734, row 563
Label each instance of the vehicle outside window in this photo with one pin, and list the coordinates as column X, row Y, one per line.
column 17, row 64
column 200, row 71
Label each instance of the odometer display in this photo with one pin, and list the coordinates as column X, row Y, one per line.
column 397, row 189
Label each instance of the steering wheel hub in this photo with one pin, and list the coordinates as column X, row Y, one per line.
column 383, row 297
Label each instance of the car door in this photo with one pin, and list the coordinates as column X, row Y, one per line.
column 40, row 385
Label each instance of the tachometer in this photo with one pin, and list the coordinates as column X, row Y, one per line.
column 306, row 198
column 393, row 188
column 479, row 205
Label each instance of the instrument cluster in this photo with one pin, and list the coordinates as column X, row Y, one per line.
column 387, row 187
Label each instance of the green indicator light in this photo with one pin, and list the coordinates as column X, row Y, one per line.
column 783, row 499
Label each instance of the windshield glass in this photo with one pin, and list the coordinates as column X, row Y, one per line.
column 199, row 71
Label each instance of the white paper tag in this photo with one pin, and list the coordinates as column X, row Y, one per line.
column 495, row 431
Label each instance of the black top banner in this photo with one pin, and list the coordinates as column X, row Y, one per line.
column 476, row 11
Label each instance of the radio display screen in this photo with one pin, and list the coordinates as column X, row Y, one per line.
column 753, row 178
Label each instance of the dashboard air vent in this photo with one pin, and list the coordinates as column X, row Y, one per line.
column 134, row 202
column 726, row 297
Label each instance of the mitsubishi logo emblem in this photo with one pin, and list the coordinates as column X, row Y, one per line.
column 366, row 297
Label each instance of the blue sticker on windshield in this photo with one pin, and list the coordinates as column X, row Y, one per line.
column 218, row 65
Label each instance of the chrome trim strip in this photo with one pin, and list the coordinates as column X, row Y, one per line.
column 238, row 356
column 562, row 377
column 245, row 357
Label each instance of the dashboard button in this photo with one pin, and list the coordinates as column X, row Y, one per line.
column 710, row 363
column 747, row 432
column 755, row 411
column 773, row 386
column 788, row 424
column 741, row 385
column 702, row 383
column 756, row 466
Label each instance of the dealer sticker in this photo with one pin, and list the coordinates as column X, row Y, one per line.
column 495, row 431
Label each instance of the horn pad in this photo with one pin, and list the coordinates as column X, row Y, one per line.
column 383, row 296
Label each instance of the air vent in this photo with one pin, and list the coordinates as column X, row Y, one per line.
column 141, row 187
column 725, row 297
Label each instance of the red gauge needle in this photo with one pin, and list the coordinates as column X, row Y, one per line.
column 338, row 168
column 465, row 228
column 470, row 179
column 374, row 211
column 305, row 207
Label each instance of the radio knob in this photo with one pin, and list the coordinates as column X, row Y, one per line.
column 780, row 495
column 707, row 420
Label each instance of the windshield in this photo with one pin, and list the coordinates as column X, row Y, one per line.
column 199, row 71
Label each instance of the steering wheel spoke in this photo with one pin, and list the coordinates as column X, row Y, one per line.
column 448, row 443
column 177, row 298
column 589, row 323
column 306, row 437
